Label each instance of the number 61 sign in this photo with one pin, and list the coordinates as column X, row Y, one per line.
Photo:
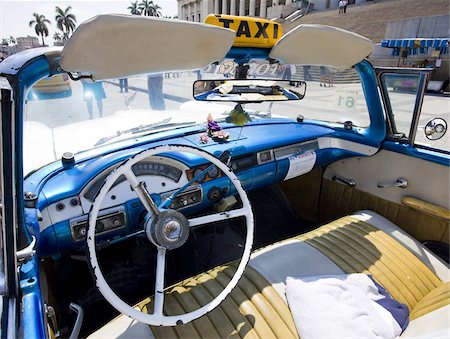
column 346, row 99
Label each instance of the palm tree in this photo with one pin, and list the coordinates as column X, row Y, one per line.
column 134, row 8
column 156, row 10
column 40, row 25
column 144, row 6
column 57, row 36
column 149, row 8
column 65, row 21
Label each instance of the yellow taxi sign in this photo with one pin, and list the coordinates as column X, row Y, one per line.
column 250, row 32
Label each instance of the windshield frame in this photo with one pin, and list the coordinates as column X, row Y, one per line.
column 47, row 65
column 9, row 212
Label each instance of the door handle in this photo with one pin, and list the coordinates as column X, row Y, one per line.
column 401, row 182
column 348, row 182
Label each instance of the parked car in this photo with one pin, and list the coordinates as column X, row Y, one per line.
column 147, row 213
column 56, row 86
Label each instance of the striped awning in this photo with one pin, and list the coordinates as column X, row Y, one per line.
column 417, row 45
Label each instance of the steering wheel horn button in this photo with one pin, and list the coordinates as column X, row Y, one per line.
column 169, row 230
column 172, row 230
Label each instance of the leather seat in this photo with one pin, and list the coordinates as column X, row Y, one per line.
column 363, row 242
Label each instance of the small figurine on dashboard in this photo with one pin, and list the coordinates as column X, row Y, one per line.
column 215, row 131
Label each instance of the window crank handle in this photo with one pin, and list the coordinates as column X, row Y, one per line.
column 401, row 182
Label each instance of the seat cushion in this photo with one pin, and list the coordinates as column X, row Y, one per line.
column 357, row 246
column 257, row 306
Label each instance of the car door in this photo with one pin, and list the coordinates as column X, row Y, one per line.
column 22, row 306
column 8, row 217
column 407, row 180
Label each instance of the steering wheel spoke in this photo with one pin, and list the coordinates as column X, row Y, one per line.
column 142, row 193
column 159, row 281
column 207, row 219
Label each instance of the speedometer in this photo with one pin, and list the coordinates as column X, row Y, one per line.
column 140, row 169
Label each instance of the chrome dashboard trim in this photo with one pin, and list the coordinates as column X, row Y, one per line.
column 109, row 212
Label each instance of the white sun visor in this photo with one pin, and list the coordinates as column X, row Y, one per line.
column 322, row 46
column 114, row 46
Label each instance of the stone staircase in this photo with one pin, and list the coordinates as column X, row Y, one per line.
column 302, row 11
column 345, row 77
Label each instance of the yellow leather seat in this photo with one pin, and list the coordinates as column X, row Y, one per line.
column 364, row 242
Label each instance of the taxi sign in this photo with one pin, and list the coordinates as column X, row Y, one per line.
column 250, row 32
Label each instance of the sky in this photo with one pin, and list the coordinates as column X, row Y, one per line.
column 15, row 15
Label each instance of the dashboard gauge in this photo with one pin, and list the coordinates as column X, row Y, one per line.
column 149, row 168
column 214, row 194
column 139, row 169
column 213, row 172
column 197, row 172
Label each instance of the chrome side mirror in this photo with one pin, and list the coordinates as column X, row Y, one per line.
column 435, row 129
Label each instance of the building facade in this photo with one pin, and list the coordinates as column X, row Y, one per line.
column 197, row 10
column 22, row 43
column 27, row 42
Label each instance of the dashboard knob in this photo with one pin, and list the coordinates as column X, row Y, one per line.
column 214, row 194
column 82, row 232
column 348, row 125
column 68, row 159
column 99, row 226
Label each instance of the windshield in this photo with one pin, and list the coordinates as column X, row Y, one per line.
column 63, row 115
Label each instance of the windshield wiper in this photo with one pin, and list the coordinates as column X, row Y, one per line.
column 131, row 130
column 166, row 125
column 145, row 128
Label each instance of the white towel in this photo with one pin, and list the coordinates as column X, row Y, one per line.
column 339, row 306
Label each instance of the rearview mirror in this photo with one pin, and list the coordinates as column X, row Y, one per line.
column 248, row 90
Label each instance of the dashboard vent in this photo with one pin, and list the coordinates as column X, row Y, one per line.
column 244, row 162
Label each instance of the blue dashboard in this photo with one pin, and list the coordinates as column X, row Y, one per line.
column 262, row 153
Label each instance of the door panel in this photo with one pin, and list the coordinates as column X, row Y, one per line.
column 427, row 181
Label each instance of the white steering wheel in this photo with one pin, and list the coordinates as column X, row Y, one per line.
column 167, row 229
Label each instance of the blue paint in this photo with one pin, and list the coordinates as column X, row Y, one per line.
column 32, row 319
column 263, row 175
column 245, row 54
column 377, row 130
column 31, row 223
column 64, row 183
column 47, row 244
column 13, row 64
column 420, row 153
